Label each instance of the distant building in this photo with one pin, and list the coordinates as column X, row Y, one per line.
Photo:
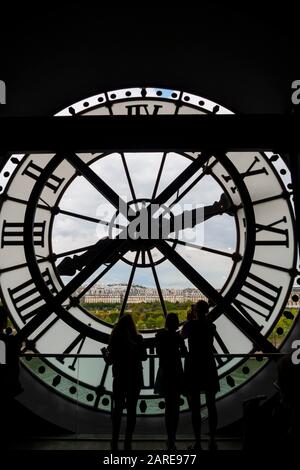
column 114, row 293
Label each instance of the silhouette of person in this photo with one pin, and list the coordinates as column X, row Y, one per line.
column 169, row 381
column 190, row 314
column 9, row 376
column 200, row 370
column 289, row 384
column 127, row 351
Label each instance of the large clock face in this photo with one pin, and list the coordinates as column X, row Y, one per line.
column 67, row 271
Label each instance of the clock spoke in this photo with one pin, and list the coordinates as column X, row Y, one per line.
column 57, row 210
column 130, row 184
column 72, row 252
column 235, row 316
column 97, row 278
column 52, row 302
column 90, row 219
column 161, row 297
column 99, row 184
column 181, row 179
column 132, row 273
column 187, row 270
column 161, row 167
column 205, row 248
column 206, row 170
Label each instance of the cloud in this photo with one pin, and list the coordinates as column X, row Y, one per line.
column 82, row 198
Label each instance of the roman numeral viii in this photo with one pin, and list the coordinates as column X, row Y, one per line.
column 27, row 299
column 257, row 297
column 13, row 233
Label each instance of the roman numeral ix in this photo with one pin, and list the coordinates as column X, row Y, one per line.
column 13, row 233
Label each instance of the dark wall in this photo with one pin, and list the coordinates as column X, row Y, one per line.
column 52, row 56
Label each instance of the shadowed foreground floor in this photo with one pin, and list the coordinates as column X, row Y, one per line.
column 95, row 442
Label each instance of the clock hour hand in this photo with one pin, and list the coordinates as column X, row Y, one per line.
column 69, row 266
column 189, row 219
column 223, row 206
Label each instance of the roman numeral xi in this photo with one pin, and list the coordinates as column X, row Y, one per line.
column 34, row 171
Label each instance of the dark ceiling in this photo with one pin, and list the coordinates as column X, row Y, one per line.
column 52, row 56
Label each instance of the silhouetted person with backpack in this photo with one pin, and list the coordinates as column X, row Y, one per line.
column 169, row 382
column 126, row 352
column 200, row 370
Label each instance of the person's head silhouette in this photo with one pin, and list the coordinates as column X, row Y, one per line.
column 3, row 319
column 190, row 315
column 200, row 309
column 172, row 322
column 125, row 326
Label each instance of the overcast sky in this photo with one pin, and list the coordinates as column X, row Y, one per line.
column 81, row 197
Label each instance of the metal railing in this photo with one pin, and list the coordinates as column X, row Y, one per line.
column 233, row 355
